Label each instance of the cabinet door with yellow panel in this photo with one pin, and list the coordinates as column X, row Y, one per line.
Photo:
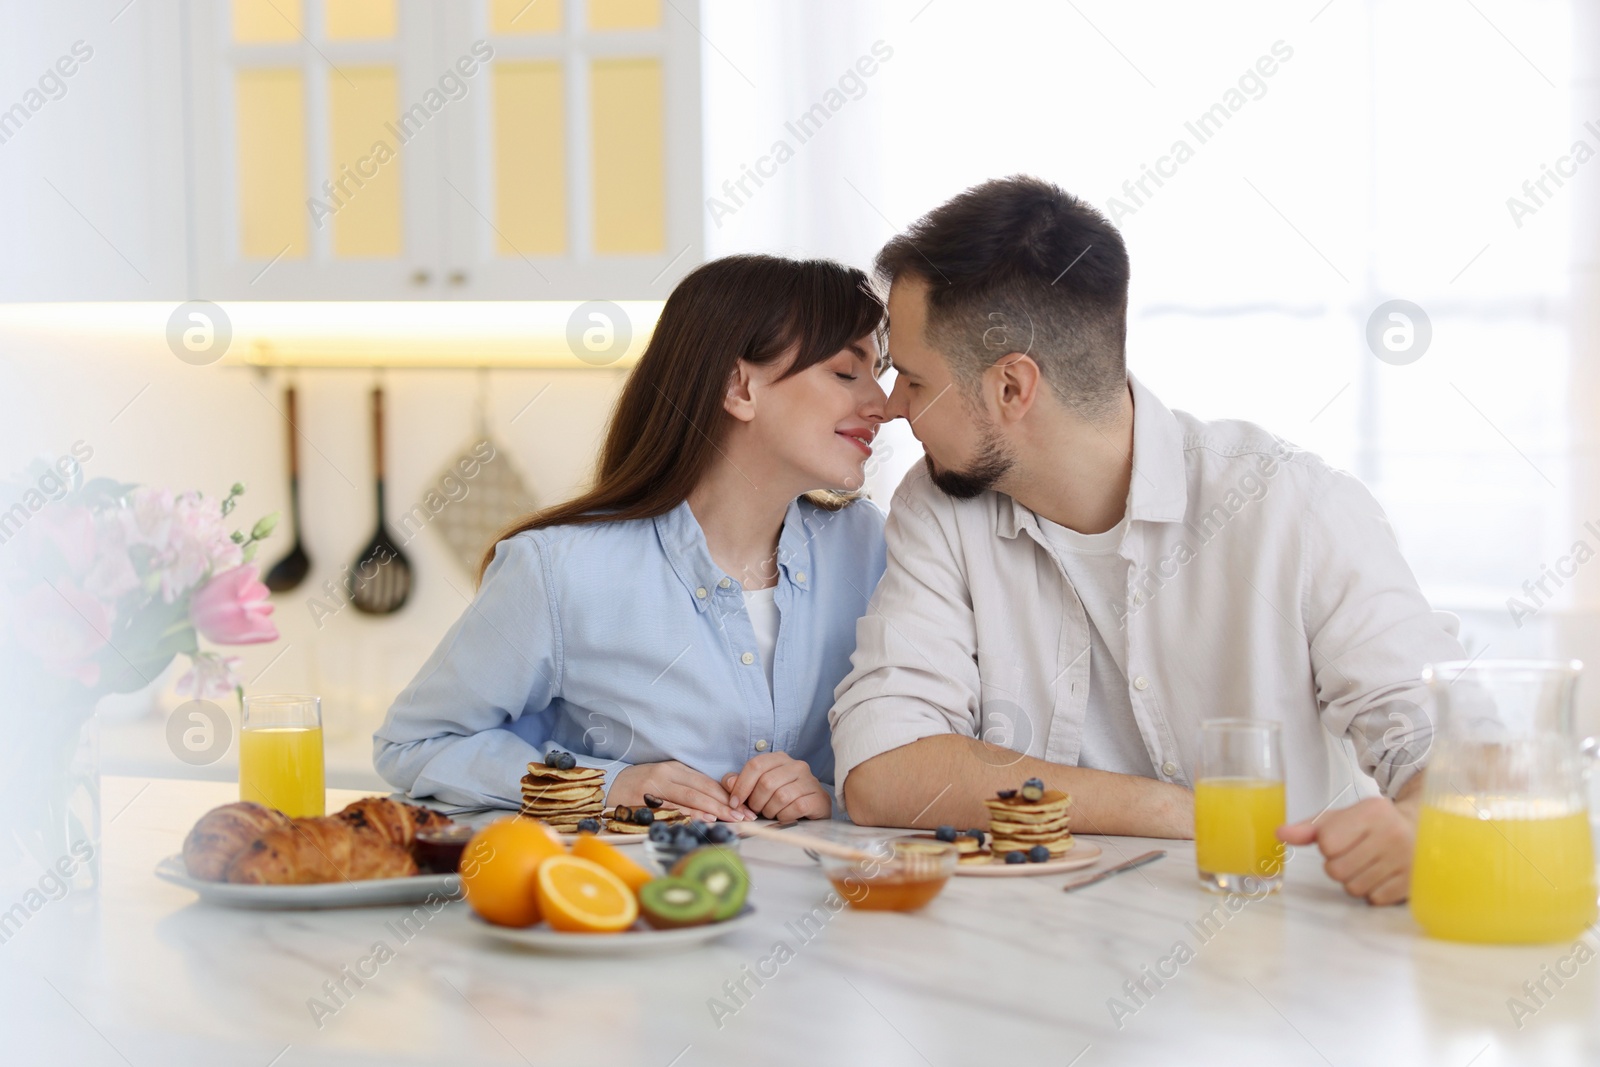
column 316, row 148
column 481, row 149
column 575, row 173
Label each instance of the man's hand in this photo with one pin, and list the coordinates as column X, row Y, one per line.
column 778, row 786
column 1366, row 847
column 696, row 795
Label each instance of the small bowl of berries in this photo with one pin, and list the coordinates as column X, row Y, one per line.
column 667, row 843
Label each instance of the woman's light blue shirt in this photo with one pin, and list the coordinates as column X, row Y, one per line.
column 623, row 643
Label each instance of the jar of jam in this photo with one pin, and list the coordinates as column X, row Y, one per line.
column 438, row 849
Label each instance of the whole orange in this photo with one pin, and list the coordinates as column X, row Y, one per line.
column 500, row 867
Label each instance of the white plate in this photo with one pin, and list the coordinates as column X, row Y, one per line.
column 367, row 893
column 1082, row 854
column 638, row 941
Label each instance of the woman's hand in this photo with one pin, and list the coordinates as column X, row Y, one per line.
column 778, row 786
column 684, row 788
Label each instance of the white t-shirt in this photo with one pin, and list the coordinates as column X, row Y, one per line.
column 1111, row 738
column 762, row 606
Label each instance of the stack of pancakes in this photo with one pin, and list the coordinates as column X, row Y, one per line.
column 562, row 797
column 1017, row 824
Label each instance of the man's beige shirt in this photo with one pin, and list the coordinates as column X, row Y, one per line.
column 1263, row 584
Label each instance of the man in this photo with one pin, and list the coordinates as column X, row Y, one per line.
column 1078, row 577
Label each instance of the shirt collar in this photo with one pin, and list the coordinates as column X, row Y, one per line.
column 1159, row 491
column 794, row 544
column 684, row 542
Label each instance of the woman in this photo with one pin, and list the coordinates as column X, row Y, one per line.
column 681, row 625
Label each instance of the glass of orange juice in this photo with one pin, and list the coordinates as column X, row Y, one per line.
column 1504, row 848
column 1238, row 807
column 280, row 754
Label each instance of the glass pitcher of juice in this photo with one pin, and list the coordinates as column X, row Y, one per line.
column 280, row 754
column 1504, row 850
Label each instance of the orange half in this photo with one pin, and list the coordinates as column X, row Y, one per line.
column 611, row 858
column 580, row 896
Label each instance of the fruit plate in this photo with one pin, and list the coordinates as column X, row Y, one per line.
column 1083, row 854
column 639, row 941
column 367, row 893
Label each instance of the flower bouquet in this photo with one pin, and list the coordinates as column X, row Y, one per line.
column 107, row 586
column 102, row 585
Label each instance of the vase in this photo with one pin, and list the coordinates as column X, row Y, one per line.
column 50, row 792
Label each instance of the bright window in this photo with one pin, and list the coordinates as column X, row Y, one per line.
column 1336, row 160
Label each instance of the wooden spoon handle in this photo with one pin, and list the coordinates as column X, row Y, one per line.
column 811, row 841
column 294, row 433
column 377, row 432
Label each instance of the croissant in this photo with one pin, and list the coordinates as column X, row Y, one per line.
column 329, row 849
column 399, row 822
column 222, row 833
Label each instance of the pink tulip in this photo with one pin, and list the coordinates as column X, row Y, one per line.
column 232, row 609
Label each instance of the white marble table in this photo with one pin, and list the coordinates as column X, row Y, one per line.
column 1006, row 970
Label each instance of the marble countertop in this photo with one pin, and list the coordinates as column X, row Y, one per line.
column 1010, row 970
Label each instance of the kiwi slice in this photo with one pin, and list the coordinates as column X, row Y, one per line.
column 668, row 903
column 721, row 872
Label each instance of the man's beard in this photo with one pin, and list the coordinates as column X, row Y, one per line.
column 992, row 464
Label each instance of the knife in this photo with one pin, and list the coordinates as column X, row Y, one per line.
column 1137, row 861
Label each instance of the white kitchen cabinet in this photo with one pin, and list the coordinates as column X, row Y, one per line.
column 614, row 94
column 418, row 149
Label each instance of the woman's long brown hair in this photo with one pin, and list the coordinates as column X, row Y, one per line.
column 669, row 420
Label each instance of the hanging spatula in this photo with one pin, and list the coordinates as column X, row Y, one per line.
column 381, row 578
column 292, row 569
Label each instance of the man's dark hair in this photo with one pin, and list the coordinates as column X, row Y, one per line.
column 1019, row 265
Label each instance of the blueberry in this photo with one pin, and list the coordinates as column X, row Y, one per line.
column 1038, row 854
column 588, row 826
column 1032, row 791
column 720, row 834
column 683, row 838
column 1035, row 781
column 643, row 816
column 945, row 833
column 1006, row 794
column 553, row 758
column 701, row 831
column 1016, row 857
column 976, row 835
column 661, row 833
column 567, row 762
